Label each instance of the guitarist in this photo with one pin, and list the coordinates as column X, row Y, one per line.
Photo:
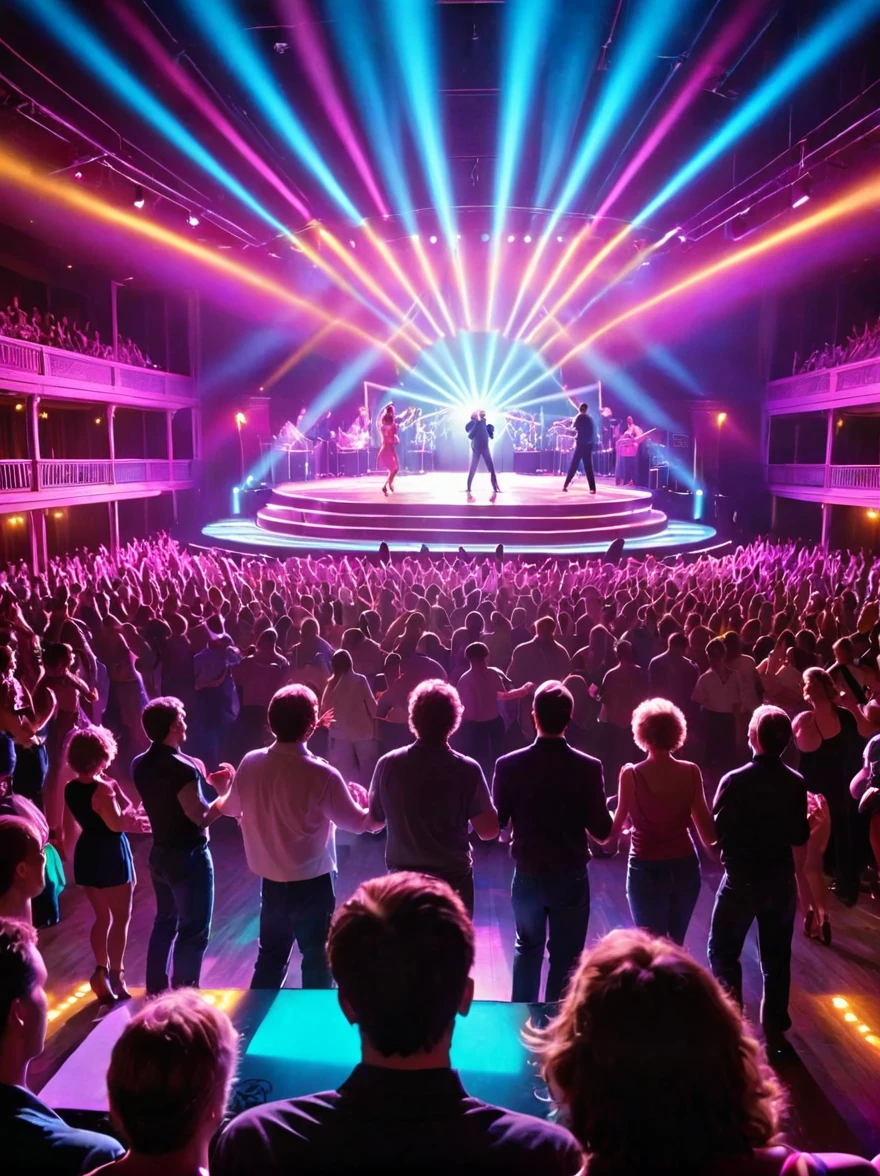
column 627, row 453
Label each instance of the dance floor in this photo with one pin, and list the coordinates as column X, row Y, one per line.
column 835, row 1080
column 531, row 515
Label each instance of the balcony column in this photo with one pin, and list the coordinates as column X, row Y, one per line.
column 111, row 440
column 37, row 536
column 33, row 431
column 829, row 447
column 169, row 432
column 113, row 518
column 826, row 525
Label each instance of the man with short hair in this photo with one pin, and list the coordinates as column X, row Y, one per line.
column 542, row 659
column 171, row 786
column 481, row 688
column 583, row 449
column 427, row 795
column 673, row 675
column 289, row 804
column 760, row 813
column 480, row 434
column 401, row 951
column 34, row 1138
column 554, row 796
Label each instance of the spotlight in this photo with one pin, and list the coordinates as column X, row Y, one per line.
column 510, row 239
column 192, row 219
column 240, row 419
column 873, row 515
column 721, row 418
column 433, row 239
column 560, row 239
column 801, row 190
column 414, row 237
column 352, row 243
column 682, row 238
column 281, row 47
column 138, row 196
column 699, row 493
column 484, row 236
column 77, row 175
column 527, row 238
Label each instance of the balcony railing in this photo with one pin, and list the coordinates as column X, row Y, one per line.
column 854, row 477
column 796, row 475
column 54, row 364
column 15, row 475
column 53, row 475
column 852, row 384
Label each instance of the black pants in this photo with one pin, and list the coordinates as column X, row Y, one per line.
column 551, row 909
column 772, row 903
column 476, row 454
column 483, row 742
column 301, row 912
column 582, row 453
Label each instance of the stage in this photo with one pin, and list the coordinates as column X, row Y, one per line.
column 531, row 516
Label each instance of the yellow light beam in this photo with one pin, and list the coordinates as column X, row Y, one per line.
column 865, row 196
column 64, row 194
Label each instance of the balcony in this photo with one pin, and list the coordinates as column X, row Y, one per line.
column 854, row 383
column 29, row 368
column 846, row 485
column 82, row 482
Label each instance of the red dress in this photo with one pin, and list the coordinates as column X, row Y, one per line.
column 386, row 459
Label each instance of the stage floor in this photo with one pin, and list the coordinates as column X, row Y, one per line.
column 531, row 515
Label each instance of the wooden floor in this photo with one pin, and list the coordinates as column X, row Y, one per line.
column 835, row 1083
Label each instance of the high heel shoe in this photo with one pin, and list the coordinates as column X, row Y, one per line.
column 385, row 489
column 826, row 932
column 99, row 982
column 117, row 984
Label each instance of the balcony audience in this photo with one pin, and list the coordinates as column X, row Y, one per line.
column 49, row 331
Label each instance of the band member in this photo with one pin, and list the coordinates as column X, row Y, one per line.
column 287, row 433
column 360, row 429
column 387, row 457
column 480, row 434
column 627, row 453
column 583, row 449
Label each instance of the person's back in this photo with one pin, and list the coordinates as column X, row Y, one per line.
column 759, row 814
column 660, row 811
column 35, row 1140
column 401, row 950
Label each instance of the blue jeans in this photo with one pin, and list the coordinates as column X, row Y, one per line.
column 662, row 895
column 183, row 880
column 560, row 902
column 772, row 903
column 301, row 912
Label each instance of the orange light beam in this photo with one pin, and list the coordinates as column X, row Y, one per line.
column 64, row 194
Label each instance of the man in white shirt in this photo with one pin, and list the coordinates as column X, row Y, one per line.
column 719, row 693
column 481, row 688
column 289, row 803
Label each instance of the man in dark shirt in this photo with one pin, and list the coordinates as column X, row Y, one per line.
column 583, row 448
column 674, row 676
column 401, row 951
column 554, row 796
column 170, row 784
column 34, row 1138
column 480, row 434
column 427, row 795
column 760, row 813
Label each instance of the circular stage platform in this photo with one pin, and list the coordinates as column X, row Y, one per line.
column 531, row 515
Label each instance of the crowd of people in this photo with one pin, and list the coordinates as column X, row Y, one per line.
column 565, row 707
column 60, row 331
column 859, row 345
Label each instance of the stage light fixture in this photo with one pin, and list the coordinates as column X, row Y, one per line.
column 527, row 238
column 193, row 220
column 560, row 239
column 240, row 419
column 77, row 175
column 138, row 196
column 510, row 238
column 873, row 515
column 801, row 190
column 721, row 418
column 682, row 238
column 352, row 243
column 433, row 239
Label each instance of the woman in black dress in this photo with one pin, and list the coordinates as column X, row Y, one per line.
column 102, row 861
column 830, row 745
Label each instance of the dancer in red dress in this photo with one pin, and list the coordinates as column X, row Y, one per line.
column 387, row 457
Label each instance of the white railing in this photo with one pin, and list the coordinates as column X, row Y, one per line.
column 51, row 364
column 854, row 477
column 74, row 473
column 796, row 475
column 15, row 475
column 848, row 384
